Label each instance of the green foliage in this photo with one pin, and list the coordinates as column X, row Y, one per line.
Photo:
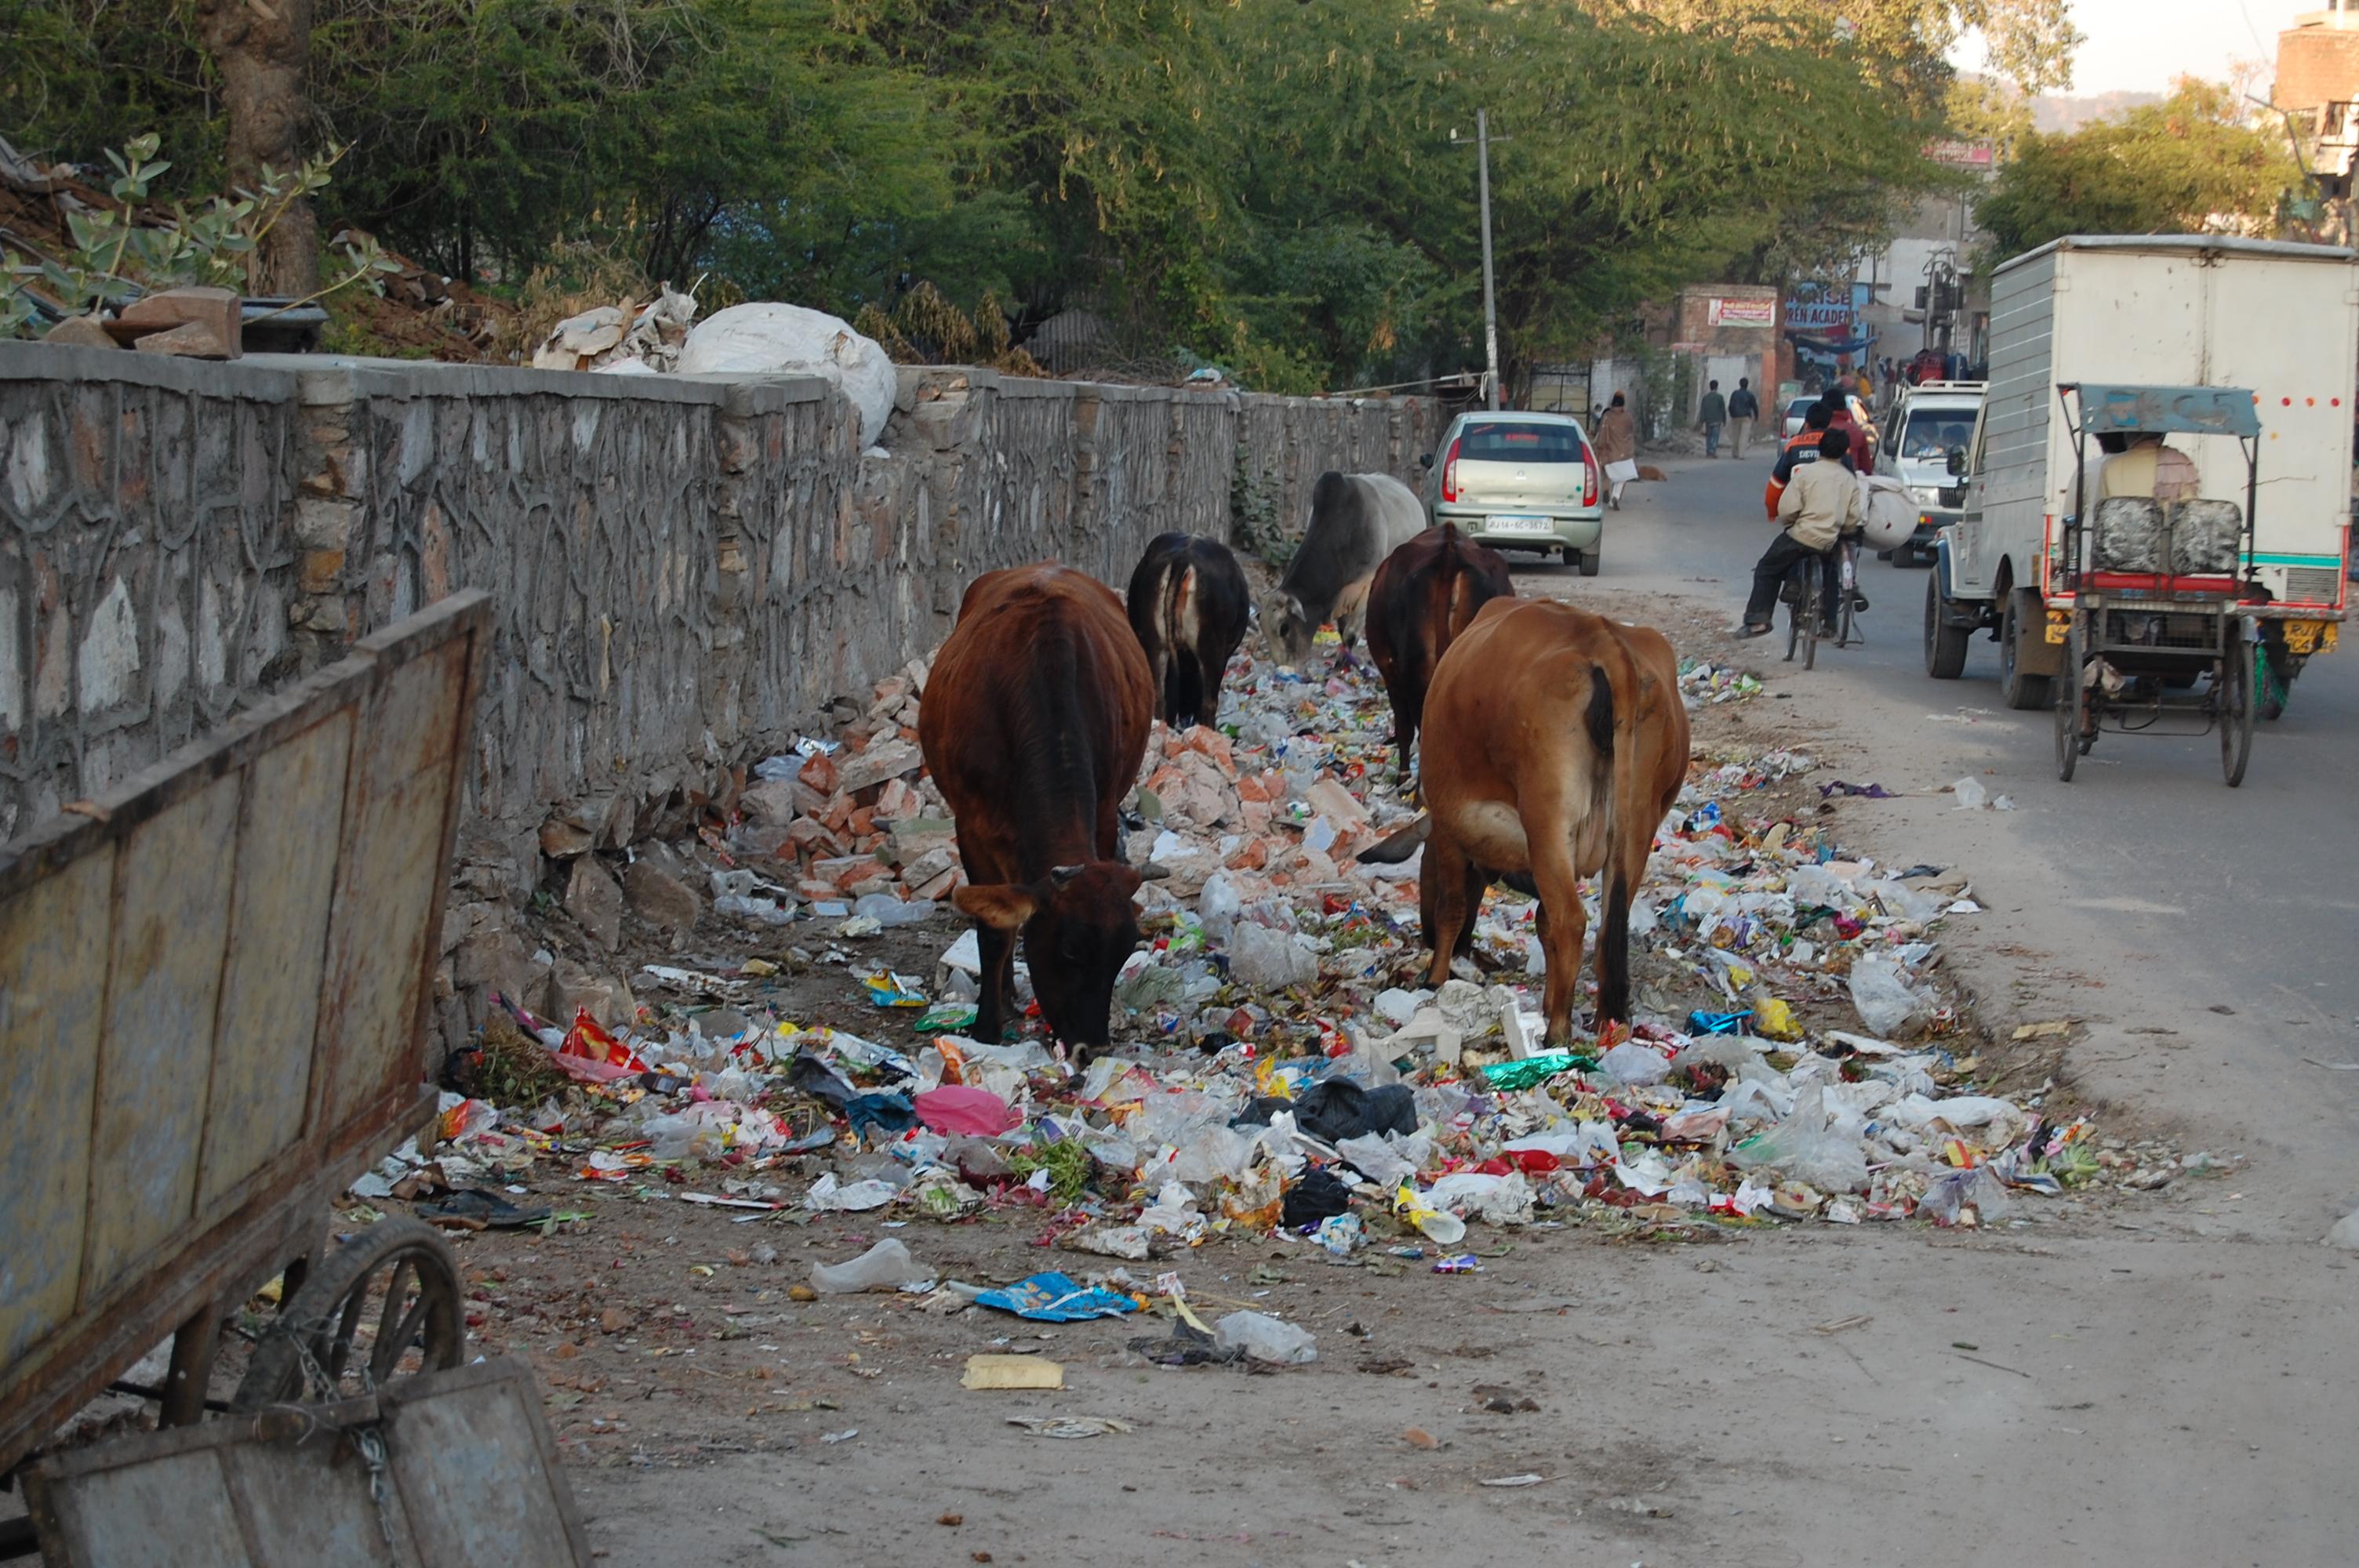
column 1271, row 188
column 115, row 255
column 2188, row 164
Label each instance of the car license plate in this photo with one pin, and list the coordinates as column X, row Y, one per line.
column 1507, row 523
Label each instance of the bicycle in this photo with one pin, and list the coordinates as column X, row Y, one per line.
column 1848, row 632
column 1800, row 595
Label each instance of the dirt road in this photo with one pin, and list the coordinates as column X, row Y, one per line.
column 2130, row 1379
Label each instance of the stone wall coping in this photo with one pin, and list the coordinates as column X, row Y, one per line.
column 259, row 377
column 328, row 379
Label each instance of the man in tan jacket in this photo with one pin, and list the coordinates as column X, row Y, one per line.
column 1821, row 506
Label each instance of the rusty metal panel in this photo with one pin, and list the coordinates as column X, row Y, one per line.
column 278, row 931
column 172, row 1512
column 507, row 1502
column 53, row 994
column 469, row 1470
column 392, row 862
column 171, row 889
column 304, row 1514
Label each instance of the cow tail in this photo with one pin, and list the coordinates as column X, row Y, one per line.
column 1183, row 676
column 1614, row 923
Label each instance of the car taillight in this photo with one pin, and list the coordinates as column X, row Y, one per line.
column 1449, row 473
column 1588, row 477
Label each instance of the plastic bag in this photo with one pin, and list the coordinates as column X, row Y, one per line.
column 1888, row 512
column 1494, row 1200
column 1438, row 1224
column 770, row 339
column 1268, row 961
column 1801, row 1146
column 1818, row 885
column 956, row 1108
column 890, row 912
column 1214, row 1154
column 1951, row 1196
column 827, row 1198
column 1377, row 1159
column 1887, row 1005
column 1264, row 1338
column 886, row 1266
column 1631, row 1063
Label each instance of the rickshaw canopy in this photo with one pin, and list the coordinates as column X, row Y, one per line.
column 2166, row 410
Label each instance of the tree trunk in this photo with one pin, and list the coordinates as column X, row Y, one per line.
column 261, row 47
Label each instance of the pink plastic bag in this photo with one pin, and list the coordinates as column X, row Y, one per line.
column 954, row 1107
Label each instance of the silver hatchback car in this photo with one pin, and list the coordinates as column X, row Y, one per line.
column 1519, row 482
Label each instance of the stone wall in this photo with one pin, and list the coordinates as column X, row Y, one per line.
column 687, row 569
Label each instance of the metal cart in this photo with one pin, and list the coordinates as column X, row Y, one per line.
column 2154, row 600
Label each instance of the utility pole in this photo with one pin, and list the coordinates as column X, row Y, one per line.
column 1490, row 298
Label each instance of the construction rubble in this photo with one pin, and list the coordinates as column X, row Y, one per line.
column 1281, row 1068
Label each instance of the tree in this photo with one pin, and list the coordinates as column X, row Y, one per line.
column 262, row 48
column 2188, row 164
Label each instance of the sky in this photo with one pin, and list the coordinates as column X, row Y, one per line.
column 2139, row 45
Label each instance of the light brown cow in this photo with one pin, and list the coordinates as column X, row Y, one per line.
column 1555, row 741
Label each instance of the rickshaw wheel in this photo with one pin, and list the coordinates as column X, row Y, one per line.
column 2235, row 694
column 383, row 1305
column 2071, row 703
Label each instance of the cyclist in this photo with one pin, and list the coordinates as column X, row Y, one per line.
column 1820, row 504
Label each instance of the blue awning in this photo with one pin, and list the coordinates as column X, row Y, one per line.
column 2168, row 410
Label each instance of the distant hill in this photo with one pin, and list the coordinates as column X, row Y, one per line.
column 2052, row 112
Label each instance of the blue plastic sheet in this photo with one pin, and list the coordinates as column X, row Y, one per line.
column 1055, row 1298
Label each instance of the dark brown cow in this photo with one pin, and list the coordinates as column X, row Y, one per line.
column 1424, row 595
column 1033, row 718
column 1189, row 604
column 1555, row 741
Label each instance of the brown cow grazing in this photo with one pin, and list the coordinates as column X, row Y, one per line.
column 1033, row 721
column 1424, row 595
column 1189, row 604
column 1555, row 741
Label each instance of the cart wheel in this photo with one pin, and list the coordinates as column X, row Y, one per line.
column 383, row 1305
column 2235, row 699
column 2071, row 704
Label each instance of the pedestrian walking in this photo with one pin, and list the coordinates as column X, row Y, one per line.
column 1713, row 413
column 1617, row 448
column 1743, row 409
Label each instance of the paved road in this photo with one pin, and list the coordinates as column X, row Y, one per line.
column 2147, row 865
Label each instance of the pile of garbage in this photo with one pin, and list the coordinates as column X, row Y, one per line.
column 1281, row 1067
column 762, row 338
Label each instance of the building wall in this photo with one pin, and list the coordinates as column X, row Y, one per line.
column 2317, row 66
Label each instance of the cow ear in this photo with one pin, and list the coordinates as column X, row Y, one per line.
column 1002, row 906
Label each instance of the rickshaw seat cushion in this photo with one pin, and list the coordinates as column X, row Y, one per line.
column 2139, row 535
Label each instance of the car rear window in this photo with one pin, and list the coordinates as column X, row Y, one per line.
column 1506, row 440
column 1931, row 432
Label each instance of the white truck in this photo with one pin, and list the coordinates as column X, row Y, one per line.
column 2188, row 310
